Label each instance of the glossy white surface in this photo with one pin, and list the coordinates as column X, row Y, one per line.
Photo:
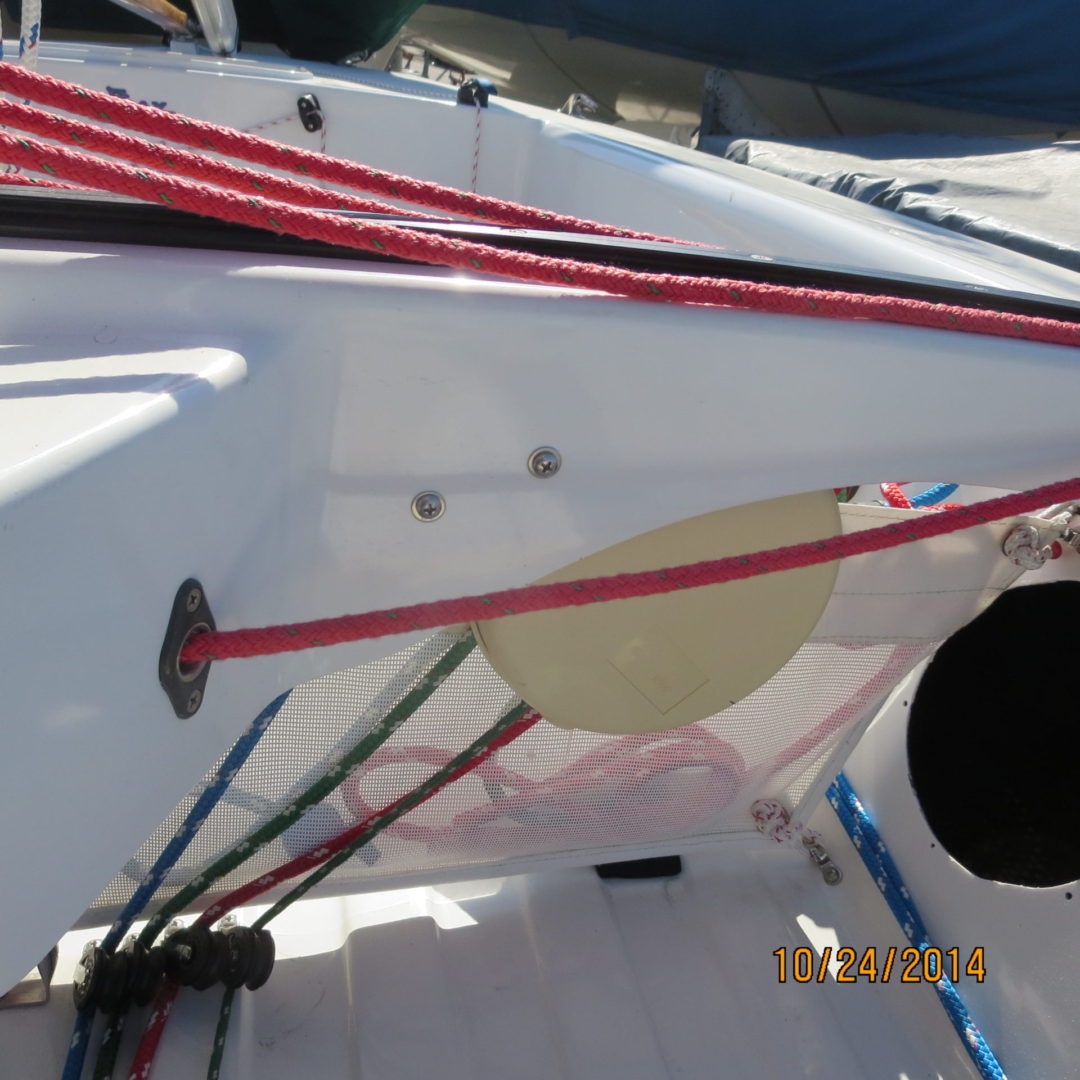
column 264, row 423
column 287, row 492
column 1027, row 1005
column 90, row 403
column 413, row 126
column 563, row 976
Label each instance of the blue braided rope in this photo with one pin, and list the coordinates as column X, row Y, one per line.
column 932, row 496
column 229, row 767
column 864, row 835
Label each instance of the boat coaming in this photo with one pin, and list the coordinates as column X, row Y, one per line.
column 264, row 422
column 265, row 427
column 409, row 125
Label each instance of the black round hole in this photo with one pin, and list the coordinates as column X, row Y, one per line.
column 992, row 763
column 1068, row 896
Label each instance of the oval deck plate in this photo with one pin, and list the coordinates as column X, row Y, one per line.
column 658, row 662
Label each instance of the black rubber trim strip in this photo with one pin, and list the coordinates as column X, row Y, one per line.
column 49, row 214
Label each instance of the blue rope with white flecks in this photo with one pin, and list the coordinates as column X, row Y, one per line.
column 864, row 835
column 932, row 496
column 207, row 800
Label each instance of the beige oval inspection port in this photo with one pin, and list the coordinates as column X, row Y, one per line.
column 657, row 662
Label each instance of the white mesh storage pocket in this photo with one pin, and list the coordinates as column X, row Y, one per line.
column 549, row 792
column 578, row 795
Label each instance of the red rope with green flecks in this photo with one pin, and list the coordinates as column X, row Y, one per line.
column 14, row 179
column 278, row 216
column 117, row 144
column 263, row 641
column 203, row 135
column 72, row 166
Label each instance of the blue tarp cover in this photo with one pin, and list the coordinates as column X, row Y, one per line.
column 1019, row 58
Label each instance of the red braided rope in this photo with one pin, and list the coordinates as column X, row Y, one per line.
column 159, row 1016
column 894, row 496
column 202, row 135
column 322, row 852
column 22, row 180
column 280, row 217
column 568, row 800
column 264, row 641
column 200, row 167
column 155, row 1028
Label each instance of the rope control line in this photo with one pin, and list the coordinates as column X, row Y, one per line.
column 894, row 496
column 933, row 496
column 514, row 722
column 29, row 33
column 281, row 217
column 203, row 135
column 397, row 240
column 459, row 647
column 264, row 641
column 612, row 794
column 289, row 211
column 200, row 811
column 99, row 140
column 22, row 180
column 931, row 499
column 875, row 855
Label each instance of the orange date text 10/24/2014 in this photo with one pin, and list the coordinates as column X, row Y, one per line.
column 873, row 965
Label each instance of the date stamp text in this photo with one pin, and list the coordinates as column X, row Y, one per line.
column 875, row 965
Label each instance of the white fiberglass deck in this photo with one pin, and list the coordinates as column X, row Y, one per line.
column 413, row 126
column 314, row 374
column 558, row 976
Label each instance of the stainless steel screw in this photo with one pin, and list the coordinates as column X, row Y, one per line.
column 194, row 599
column 545, row 461
column 194, row 701
column 428, row 506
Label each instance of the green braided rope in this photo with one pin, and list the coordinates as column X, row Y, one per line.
column 214, row 1069
column 110, row 1046
column 379, row 733
column 376, row 736
column 376, row 825
column 381, row 821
